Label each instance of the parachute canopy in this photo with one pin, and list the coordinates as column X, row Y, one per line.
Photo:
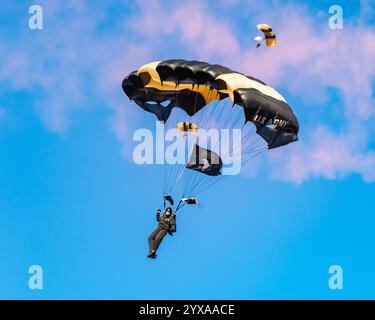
column 269, row 34
column 158, row 87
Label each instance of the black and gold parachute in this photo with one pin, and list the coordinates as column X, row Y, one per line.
column 269, row 34
column 192, row 85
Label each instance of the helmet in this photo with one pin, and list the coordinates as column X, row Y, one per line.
column 168, row 211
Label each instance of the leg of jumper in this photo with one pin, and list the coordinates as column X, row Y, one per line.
column 159, row 238
column 151, row 238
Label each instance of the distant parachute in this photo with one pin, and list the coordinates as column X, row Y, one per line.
column 269, row 35
column 187, row 127
column 188, row 95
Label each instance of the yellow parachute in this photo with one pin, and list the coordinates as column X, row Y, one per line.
column 187, row 127
column 269, row 34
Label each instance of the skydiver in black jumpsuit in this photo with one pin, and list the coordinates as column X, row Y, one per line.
column 167, row 224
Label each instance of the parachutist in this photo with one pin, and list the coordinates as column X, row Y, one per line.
column 259, row 41
column 166, row 224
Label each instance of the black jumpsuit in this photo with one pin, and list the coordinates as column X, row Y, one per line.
column 166, row 225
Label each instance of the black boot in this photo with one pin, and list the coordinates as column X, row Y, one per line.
column 152, row 254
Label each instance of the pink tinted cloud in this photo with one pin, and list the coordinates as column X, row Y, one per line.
column 109, row 84
column 191, row 24
column 68, row 65
column 327, row 155
column 311, row 57
column 342, row 60
column 212, row 34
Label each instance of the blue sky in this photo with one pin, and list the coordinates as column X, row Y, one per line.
column 73, row 202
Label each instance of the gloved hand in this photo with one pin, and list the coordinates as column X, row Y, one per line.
column 158, row 210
